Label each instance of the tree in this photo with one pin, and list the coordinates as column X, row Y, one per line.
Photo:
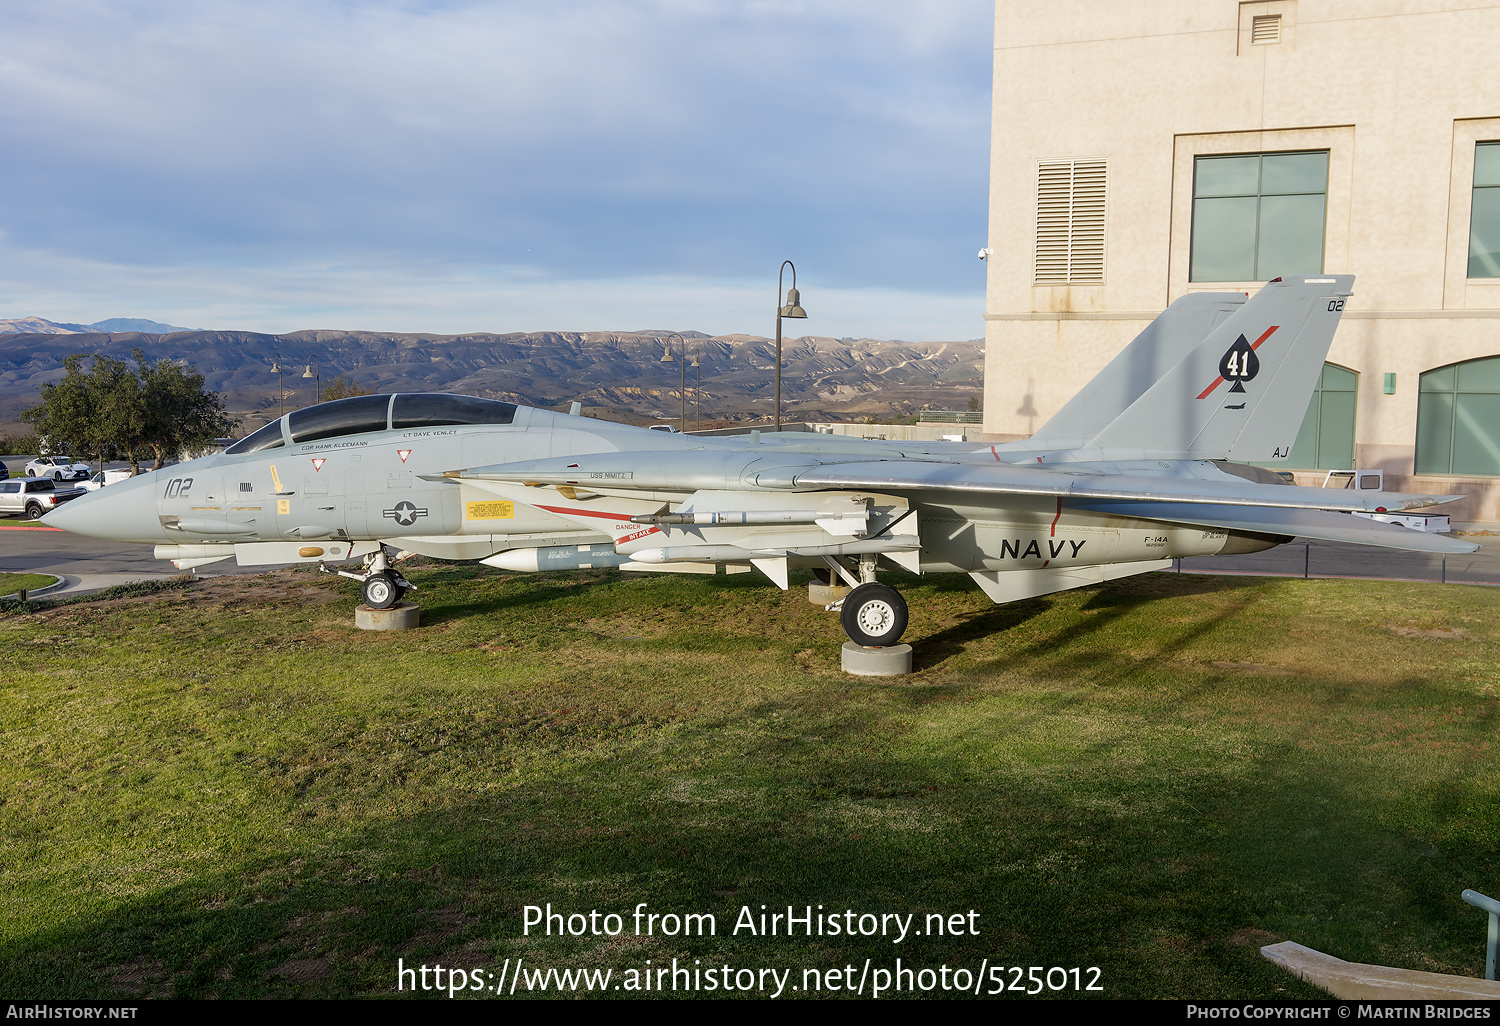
column 159, row 408
column 343, row 388
column 973, row 404
column 86, row 413
column 176, row 412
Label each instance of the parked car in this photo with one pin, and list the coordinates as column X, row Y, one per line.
column 58, row 468
column 106, row 477
column 4, row 472
column 33, row 497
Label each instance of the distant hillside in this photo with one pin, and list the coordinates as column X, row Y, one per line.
column 620, row 374
column 42, row 326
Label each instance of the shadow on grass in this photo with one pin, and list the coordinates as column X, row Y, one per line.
column 1154, row 845
column 1169, row 884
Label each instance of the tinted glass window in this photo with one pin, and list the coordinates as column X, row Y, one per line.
column 1326, row 439
column 39, row 486
column 1458, row 419
column 1484, row 216
column 351, row 416
column 1256, row 216
column 16, row 487
column 431, row 409
column 268, row 437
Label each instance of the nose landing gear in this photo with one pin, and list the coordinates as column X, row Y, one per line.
column 381, row 591
column 381, row 586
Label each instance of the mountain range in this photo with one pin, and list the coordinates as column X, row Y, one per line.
column 617, row 375
column 42, row 326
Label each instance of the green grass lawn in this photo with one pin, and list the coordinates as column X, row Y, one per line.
column 227, row 790
column 11, row 583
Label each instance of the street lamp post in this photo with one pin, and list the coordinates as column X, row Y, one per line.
column 667, row 357
column 697, row 389
column 793, row 308
column 318, row 377
column 280, row 386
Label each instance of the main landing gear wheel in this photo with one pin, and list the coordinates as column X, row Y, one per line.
column 873, row 615
column 380, row 591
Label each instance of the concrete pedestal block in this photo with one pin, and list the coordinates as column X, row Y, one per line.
column 403, row 616
column 891, row 661
column 822, row 594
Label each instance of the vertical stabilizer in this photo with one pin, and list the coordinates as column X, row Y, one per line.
column 1155, row 351
column 1242, row 392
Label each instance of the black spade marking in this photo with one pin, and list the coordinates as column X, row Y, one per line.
column 1239, row 364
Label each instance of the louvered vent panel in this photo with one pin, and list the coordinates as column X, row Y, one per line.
column 1265, row 28
column 1070, row 222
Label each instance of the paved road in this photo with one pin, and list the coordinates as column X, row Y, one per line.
column 88, row 563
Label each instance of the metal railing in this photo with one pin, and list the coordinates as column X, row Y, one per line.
column 1491, row 906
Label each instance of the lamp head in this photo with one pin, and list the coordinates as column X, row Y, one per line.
column 793, row 306
column 667, row 356
column 309, row 372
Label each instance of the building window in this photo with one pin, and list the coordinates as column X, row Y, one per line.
column 1258, row 216
column 1326, row 439
column 1070, row 222
column 1458, row 419
column 1484, row 215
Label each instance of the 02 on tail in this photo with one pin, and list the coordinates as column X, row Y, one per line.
column 1145, row 465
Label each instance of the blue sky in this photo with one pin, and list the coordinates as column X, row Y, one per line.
column 499, row 166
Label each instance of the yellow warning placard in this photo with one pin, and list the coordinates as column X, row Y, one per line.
column 283, row 505
column 498, row 509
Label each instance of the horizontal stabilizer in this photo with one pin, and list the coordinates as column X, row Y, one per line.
column 1318, row 524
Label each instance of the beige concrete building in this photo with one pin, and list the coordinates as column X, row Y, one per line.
column 1143, row 149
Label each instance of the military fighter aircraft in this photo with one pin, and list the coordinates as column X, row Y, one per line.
column 1148, row 463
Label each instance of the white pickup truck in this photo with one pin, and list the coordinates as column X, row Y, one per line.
column 106, row 477
column 33, row 497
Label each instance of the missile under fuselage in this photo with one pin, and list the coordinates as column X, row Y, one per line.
column 557, row 557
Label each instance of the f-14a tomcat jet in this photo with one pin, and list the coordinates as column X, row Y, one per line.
column 1149, row 462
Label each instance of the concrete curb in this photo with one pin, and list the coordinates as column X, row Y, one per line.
column 1355, row 980
column 87, row 584
column 59, row 581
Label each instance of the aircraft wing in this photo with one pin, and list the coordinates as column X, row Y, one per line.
column 1232, row 505
column 749, row 470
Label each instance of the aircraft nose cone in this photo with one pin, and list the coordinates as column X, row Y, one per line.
column 125, row 511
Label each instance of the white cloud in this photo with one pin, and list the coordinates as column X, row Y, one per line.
column 249, row 143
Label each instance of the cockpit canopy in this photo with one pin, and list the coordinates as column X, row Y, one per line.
column 363, row 413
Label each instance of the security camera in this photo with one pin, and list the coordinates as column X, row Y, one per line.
column 985, row 252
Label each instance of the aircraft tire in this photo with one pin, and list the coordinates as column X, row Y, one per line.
column 874, row 615
column 380, row 591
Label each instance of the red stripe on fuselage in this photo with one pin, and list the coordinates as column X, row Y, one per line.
column 619, row 518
